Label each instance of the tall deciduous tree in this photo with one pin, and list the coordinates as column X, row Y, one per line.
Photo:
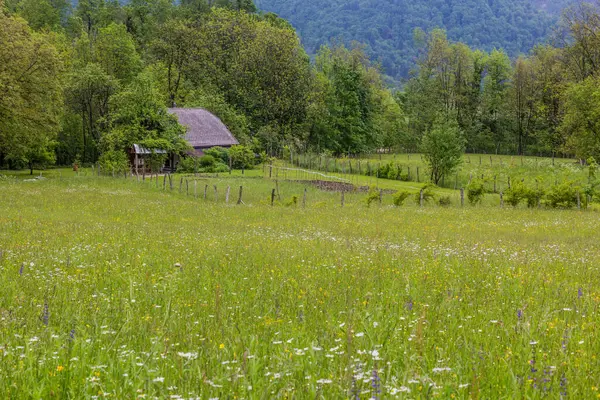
column 30, row 93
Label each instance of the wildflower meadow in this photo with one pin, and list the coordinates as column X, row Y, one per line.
column 114, row 288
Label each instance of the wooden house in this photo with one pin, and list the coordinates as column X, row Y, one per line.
column 203, row 131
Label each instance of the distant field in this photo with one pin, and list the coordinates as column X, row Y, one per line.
column 543, row 170
column 118, row 289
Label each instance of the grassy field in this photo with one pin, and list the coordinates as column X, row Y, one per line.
column 114, row 288
column 547, row 171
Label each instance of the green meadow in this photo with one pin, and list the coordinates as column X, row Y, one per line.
column 543, row 171
column 117, row 288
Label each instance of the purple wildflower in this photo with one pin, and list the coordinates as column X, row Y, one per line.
column 375, row 384
column 72, row 334
column 533, row 369
column 21, row 269
column 546, row 379
column 519, row 314
column 45, row 314
column 579, row 293
column 409, row 305
column 355, row 391
column 565, row 340
column 563, row 386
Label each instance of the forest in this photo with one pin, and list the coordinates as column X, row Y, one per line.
column 386, row 28
column 82, row 84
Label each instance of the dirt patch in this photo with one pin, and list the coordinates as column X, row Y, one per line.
column 330, row 186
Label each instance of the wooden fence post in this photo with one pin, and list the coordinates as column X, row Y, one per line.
column 418, row 177
column 216, row 193
column 380, row 197
column 462, row 197
column 501, row 199
column 272, row 197
column 180, row 184
column 195, row 189
column 495, row 178
column 187, row 188
column 171, row 181
column 270, row 170
column 205, row 191
column 240, row 197
column 422, row 197
column 578, row 201
column 304, row 199
column 227, row 195
column 164, row 181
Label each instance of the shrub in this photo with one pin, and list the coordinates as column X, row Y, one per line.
column 562, row 196
column 372, row 196
column 534, row 197
column 400, row 197
column 515, row 194
column 207, row 161
column 114, row 160
column 475, row 191
column 187, row 165
column 428, row 193
column 293, row 201
column 219, row 153
column 242, row 157
column 444, row 201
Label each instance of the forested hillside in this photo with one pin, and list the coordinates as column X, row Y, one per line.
column 387, row 27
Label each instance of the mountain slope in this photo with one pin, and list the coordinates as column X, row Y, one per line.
column 386, row 26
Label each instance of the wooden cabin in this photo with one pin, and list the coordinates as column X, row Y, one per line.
column 204, row 130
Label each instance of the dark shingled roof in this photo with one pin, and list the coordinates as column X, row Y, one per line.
column 203, row 128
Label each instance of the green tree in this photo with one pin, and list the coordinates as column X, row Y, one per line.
column 88, row 91
column 140, row 117
column 30, row 93
column 494, row 98
column 581, row 124
column 114, row 50
column 443, row 148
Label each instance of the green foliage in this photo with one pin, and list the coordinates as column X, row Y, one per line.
column 141, row 118
column 387, row 28
column 372, row 196
column 114, row 161
column 292, row 202
column 31, row 98
column 242, row 157
column 443, row 147
column 207, row 161
column 189, row 165
column 400, row 197
column 205, row 164
column 445, row 201
column 562, row 196
column 475, row 191
column 515, row 194
column 429, row 193
column 219, row 153
column 519, row 192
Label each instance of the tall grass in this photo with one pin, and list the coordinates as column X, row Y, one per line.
column 116, row 289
